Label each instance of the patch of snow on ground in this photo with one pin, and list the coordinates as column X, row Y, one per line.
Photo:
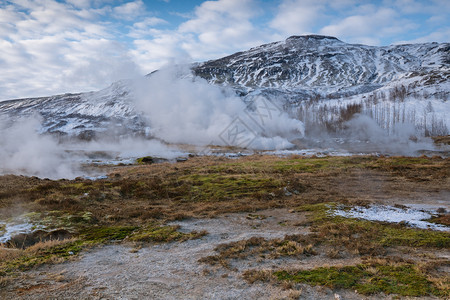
column 12, row 229
column 413, row 217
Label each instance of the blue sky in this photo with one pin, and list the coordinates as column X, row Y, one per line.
column 57, row 46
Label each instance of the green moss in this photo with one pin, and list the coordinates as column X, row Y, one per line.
column 306, row 165
column 398, row 235
column 144, row 160
column 102, row 234
column 318, row 212
column 367, row 279
column 204, row 187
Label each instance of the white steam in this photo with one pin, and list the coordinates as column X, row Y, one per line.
column 183, row 109
column 401, row 140
column 24, row 151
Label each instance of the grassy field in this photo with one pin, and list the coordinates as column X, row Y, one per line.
column 135, row 203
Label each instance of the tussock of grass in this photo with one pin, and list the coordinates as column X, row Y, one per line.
column 295, row 245
column 38, row 254
column 163, row 234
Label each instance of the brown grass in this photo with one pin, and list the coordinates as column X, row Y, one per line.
column 262, row 248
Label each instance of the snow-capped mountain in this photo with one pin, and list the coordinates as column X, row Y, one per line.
column 318, row 79
column 82, row 115
column 323, row 64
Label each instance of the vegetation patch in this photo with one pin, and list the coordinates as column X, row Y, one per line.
column 103, row 234
column 441, row 139
column 217, row 187
column 135, row 202
column 59, row 220
column 295, row 245
column 443, row 219
column 145, row 160
column 366, row 279
column 54, row 251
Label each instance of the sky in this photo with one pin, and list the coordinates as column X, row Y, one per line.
column 50, row 47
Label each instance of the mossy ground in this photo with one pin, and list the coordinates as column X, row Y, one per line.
column 366, row 279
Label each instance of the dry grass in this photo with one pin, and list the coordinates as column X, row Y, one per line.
column 442, row 139
column 294, row 246
column 10, row 253
column 43, row 246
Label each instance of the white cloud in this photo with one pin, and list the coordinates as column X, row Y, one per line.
column 219, row 27
column 296, row 17
column 144, row 28
column 441, row 36
column 369, row 28
column 215, row 29
column 163, row 48
column 80, row 3
column 130, row 10
column 50, row 47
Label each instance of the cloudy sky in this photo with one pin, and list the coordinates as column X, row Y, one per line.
column 50, row 47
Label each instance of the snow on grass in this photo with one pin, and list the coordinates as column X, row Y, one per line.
column 8, row 230
column 412, row 217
